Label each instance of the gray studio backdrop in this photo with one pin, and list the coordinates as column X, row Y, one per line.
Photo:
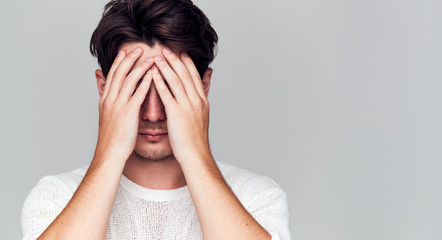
column 338, row 101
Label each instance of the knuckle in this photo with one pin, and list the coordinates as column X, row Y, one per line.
column 144, row 64
column 105, row 105
column 161, row 65
column 174, row 81
column 202, row 104
column 101, row 105
column 180, row 69
column 198, row 101
column 118, row 103
column 206, row 102
column 119, row 73
column 163, row 91
column 134, row 54
column 172, row 58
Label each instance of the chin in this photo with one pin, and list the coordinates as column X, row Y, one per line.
column 153, row 151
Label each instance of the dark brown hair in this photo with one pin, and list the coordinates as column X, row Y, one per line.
column 177, row 24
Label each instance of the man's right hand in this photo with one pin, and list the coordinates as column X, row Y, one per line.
column 87, row 214
column 119, row 106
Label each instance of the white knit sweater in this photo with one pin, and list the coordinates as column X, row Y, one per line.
column 142, row 213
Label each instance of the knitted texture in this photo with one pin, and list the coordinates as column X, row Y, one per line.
column 142, row 213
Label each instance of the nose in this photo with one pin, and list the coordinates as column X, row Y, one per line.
column 152, row 109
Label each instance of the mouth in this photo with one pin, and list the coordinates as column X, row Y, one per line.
column 153, row 136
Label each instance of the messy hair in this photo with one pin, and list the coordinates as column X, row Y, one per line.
column 177, row 24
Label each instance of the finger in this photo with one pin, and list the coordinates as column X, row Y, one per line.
column 120, row 73
column 118, row 59
column 172, row 79
column 185, row 58
column 163, row 91
column 181, row 71
column 143, row 88
column 132, row 79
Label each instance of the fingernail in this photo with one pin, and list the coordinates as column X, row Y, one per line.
column 167, row 50
column 155, row 70
column 148, row 71
column 149, row 59
column 120, row 53
column 137, row 50
column 184, row 54
column 159, row 58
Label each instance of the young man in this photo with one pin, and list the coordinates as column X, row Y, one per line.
column 153, row 175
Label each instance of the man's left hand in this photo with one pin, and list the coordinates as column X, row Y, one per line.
column 220, row 213
column 186, row 105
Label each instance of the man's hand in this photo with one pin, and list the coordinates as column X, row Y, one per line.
column 186, row 105
column 87, row 214
column 220, row 213
column 120, row 107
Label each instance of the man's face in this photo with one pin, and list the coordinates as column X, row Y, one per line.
column 152, row 139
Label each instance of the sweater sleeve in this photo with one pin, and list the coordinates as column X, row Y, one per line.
column 43, row 204
column 267, row 203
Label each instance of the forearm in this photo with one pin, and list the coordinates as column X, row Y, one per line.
column 87, row 214
column 220, row 213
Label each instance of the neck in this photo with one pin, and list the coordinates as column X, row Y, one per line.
column 165, row 174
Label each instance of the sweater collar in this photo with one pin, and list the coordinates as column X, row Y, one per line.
column 153, row 194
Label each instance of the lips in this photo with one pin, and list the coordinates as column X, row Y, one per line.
column 153, row 133
column 153, row 136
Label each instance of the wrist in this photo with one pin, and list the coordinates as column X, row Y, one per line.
column 106, row 152
column 108, row 160
column 196, row 161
